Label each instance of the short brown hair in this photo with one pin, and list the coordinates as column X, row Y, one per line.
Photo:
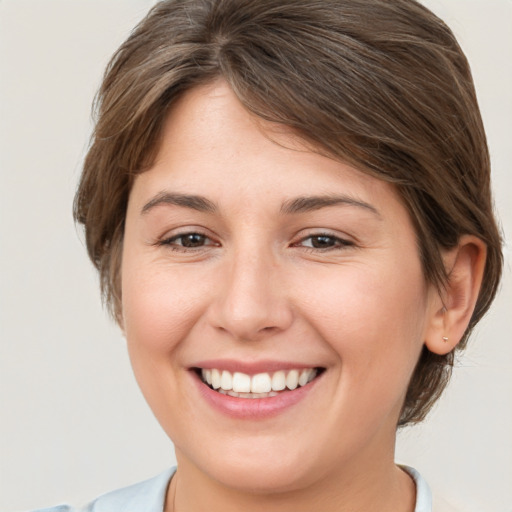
column 380, row 84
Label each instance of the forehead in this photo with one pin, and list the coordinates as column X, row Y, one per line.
column 209, row 140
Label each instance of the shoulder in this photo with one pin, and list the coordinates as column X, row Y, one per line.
column 423, row 493
column 426, row 500
column 146, row 496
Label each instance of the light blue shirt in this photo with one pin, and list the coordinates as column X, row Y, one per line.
column 149, row 496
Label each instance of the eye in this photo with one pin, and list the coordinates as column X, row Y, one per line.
column 324, row 241
column 184, row 241
column 190, row 240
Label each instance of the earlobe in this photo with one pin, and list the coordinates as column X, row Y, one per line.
column 465, row 266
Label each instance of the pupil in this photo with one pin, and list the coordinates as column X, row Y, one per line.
column 193, row 240
column 320, row 242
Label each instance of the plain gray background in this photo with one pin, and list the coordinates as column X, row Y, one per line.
column 73, row 423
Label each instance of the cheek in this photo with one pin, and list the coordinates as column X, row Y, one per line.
column 160, row 305
column 374, row 321
column 364, row 301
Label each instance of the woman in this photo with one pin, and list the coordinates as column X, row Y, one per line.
column 289, row 207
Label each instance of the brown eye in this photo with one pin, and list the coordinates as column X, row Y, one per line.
column 187, row 241
column 191, row 240
column 324, row 242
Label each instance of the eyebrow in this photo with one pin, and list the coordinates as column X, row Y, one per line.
column 311, row 203
column 194, row 202
column 301, row 204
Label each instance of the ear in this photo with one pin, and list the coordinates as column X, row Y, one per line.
column 452, row 310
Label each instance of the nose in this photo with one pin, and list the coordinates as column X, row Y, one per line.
column 251, row 303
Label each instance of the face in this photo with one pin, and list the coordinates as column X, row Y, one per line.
column 289, row 282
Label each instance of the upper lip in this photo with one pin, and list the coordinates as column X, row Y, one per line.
column 251, row 367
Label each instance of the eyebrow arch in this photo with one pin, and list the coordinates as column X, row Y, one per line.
column 194, row 202
column 311, row 203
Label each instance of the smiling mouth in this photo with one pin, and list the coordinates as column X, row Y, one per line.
column 260, row 385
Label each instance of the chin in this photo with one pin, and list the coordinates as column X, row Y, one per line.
column 268, row 477
column 259, row 468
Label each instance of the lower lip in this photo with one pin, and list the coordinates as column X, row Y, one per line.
column 252, row 408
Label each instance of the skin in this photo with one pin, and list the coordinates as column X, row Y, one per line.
column 257, row 289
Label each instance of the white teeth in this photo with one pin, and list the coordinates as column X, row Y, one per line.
column 249, row 395
column 215, row 379
column 207, row 376
column 304, row 377
column 261, row 383
column 278, row 381
column 292, row 379
column 241, row 383
column 226, row 381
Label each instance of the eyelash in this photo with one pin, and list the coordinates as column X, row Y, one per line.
column 171, row 242
column 337, row 242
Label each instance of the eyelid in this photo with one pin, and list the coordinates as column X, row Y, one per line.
column 174, row 238
column 341, row 241
column 169, row 237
